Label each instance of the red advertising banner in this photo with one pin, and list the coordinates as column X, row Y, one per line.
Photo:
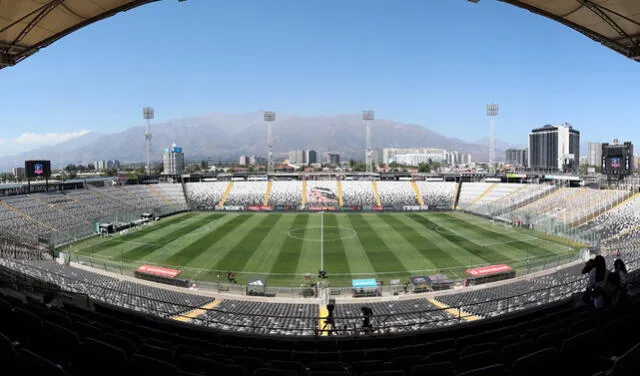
column 378, row 208
column 259, row 208
column 158, row 271
column 488, row 270
column 321, row 208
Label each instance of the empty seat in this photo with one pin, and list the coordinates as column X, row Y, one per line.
column 479, row 360
column 144, row 365
column 543, row 362
column 494, row 370
column 434, row 369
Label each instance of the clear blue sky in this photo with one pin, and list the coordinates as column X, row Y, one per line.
column 434, row 63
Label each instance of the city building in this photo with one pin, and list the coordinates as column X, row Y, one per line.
column 311, row 156
column 297, row 157
column 104, row 165
column 173, row 160
column 333, row 159
column 594, row 157
column 517, row 157
column 415, row 159
column 18, row 173
column 436, row 155
column 554, row 148
column 244, row 160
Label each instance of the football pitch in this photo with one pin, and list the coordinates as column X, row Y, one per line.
column 283, row 247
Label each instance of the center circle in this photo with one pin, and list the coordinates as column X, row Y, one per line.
column 329, row 233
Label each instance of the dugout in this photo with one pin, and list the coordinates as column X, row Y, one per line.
column 439, row 282
column 420, row 283
column 257, row 287
column 161, row 275
column 365, row 288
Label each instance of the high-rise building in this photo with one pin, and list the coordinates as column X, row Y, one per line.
column 104, row 164
column 311, row 156
column 333, row 158
column 554, row 148
column 594, row 158
column 517, row 157
column 18, row 173
column 244, row 160
column 297, row 156
column 173, row 160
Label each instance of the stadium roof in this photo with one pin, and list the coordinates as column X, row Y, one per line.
column 29, row 25
column 613, row 23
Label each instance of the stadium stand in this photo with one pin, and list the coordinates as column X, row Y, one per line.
column 358, row 193
column 267, row 318
column 205, row 196
column 324, row 193
column 470, row 192
column 438, row 195
column 571, row 205
column 286, row 193
column 621, row 221
column 247, row 193
column 64, row 339
column 520, row 197
column 396, row 194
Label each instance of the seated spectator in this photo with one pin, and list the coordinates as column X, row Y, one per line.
column 621, row 270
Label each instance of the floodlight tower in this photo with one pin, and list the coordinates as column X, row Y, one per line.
column 367, row 117
column 492, row 112
column 148, row 114
column 269, row 117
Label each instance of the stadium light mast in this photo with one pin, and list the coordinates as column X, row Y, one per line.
column 492, row 112
column 269, row 117
column 148, row 114
column 367, row 117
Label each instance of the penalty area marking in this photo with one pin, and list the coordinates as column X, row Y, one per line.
column 293, row 233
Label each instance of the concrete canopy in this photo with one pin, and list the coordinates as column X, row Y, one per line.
column 29, row 25
column 613, row 23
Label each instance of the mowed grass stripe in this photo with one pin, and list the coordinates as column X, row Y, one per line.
column 289, row 255
column 144, row 250
column 437, row 256
column 498, row 237
column 114, row 241
column 481, row 252
column 334, row 253
column 238, row 257
column 381, row 257
column 194, row 249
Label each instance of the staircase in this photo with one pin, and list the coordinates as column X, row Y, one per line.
column 416, row 189
column 159, row 195
column 457, row 200
column 375, row 191
column 340, row 193
column 226, row 194
column 303, row 201
column 267, row 194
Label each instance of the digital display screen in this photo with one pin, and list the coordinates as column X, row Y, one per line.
column 37, row 169
column 615, row 162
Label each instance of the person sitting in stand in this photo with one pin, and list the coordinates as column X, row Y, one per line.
column 231, row 277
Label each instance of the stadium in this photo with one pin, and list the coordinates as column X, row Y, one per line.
column 314, row 274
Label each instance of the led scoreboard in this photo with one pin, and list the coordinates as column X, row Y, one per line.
column 37, row 169
column 617, row 159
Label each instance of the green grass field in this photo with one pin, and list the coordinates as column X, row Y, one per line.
column 283, row 247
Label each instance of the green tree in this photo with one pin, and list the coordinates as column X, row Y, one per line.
column 360, row 167
column 424, row 167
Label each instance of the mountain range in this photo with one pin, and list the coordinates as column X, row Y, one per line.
column 226, row 136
